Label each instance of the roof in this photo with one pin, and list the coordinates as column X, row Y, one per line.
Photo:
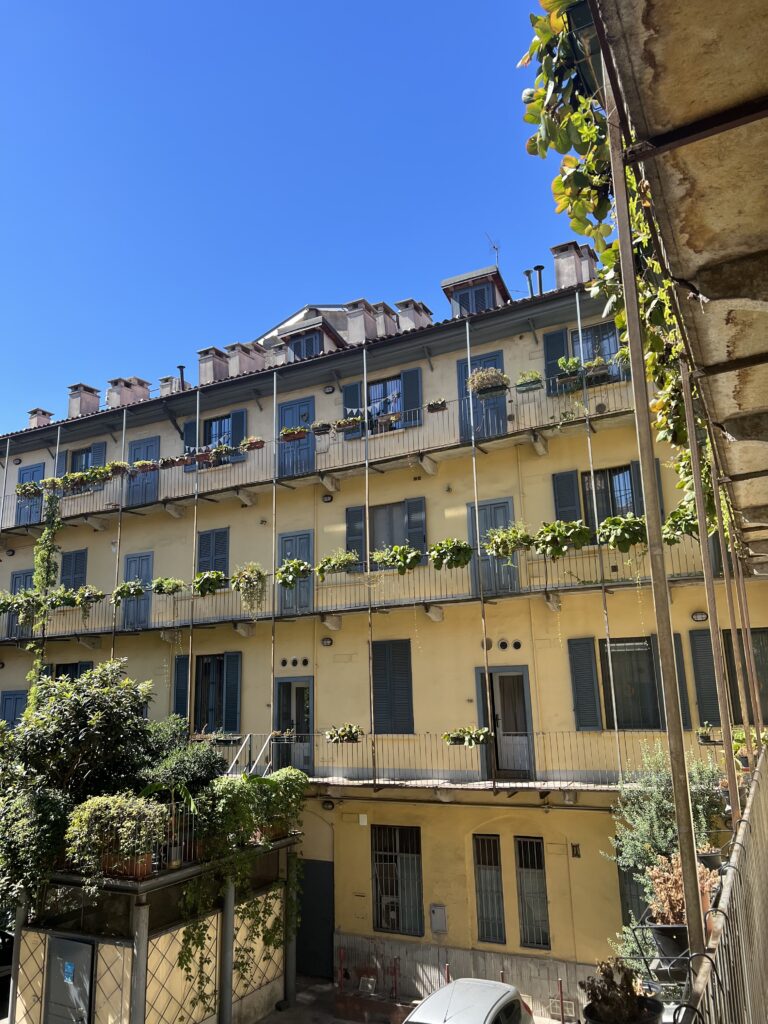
column 475, row 275
column 464, row 1001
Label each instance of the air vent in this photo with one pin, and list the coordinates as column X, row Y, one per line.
column 569, row 1008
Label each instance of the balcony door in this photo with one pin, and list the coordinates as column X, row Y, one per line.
column 30, row 510
column 296, row 458
column 490, row 415
column 293, row 718
column 511, row 716
column 142, row 488
column 497, row 575
column 296, row 600
column 136, row 610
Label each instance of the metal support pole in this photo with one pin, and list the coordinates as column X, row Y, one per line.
column 709, row 589
column 123, row 486
column 140, row 953
column 273, row 621
column 751, row 759
column 227, row 953
column 5, row 481
column 21, row 920
column 367, row 559
column 196, row 508
column 289, row 973
column 680, row 788
column 746, row 635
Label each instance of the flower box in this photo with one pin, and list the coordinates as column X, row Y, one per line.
column 252, row 444
column 529, row 385
column 439, row 406
column 484, row 394
column 294, row 435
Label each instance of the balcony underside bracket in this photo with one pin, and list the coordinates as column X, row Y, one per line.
column 247, row 498
column 329, row 482
column 428, row 465
column 173, row 421
column 540, row 443
column 434, row 612
column 174, row 511
column 553, row 601
column 96, row 523
column 332, row 622
column 91, row 643
column 244, row 629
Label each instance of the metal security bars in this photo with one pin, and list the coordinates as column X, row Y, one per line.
column 397, row 892
column 532, row 892
column 489, row 889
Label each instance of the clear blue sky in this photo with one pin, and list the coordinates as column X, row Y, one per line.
column 180, row 174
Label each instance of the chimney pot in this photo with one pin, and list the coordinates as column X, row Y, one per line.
column 39, row 418
column 413, row 314
column 245, row 358
column 126, row 391
column 83, row 400
column 574, row 264
column 213, row 365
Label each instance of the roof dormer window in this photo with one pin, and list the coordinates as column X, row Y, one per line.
column 472, row 300
column 307, row 345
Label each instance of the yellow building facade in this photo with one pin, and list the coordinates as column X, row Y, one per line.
column 418, row 854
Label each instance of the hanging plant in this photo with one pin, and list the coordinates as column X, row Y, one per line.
column 251, row 444
column 338, row 561
column 347, row 423
column 487, row 381
column 622, row 532
column 85, row 598
column 208, row 582
column 504, row 541
column 621, row 357
column 595, row 367
column 451, row 553
column 530, row 380
column 681, row 522
column 554, row 540
column 131, row 588
column 402, row 557
column 27, row 605
column 60, row 597
column 467, row 736
column 292, row 571
column 250, row 581
column 345, row 733
column 437, row 405
column 293, row 433
column 30, row 489
column 167, row 585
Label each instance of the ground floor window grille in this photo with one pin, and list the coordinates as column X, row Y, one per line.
column 532, row 892
column 488, row 886
column 397, row 893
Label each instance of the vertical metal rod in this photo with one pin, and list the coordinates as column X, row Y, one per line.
column 290, row 929
column 227, row 954
column 680, row 788
column 746, row 633
column 273, row 624
column 44, row 502
column 595, row 516
column 732, row 622
column 123, row 484
column 5, row 481
column 709, row 590
column 21, row 920
column 190, row 652
column 140, row 915
column 469, row 398
column 367, row 540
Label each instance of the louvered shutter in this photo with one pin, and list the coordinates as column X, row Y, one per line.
column 180, row 683
column 462, row 302
column 61, row 464
column 603, row 502
column 356, row 534
column 586, row 696
column 638, row 500
column 238, row 431
column 232, row 665
column 410, row 385
column 74, row 569
column 565, row 487
column 221, row 551
column 555, row 346
column 685, row 707
column 205, row 550
column 82, row 667
column 416, row 524
column 402, row 686
column 352, row 396
column 704, row 676
column 481, row 298
column 190, row 442
column 99, row 453
column 382, row 704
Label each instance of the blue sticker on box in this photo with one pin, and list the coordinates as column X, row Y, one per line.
column 69, row 972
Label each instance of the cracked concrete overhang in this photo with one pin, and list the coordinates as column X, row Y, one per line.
column 676, row 64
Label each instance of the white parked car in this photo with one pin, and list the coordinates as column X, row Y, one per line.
column 472, row 1001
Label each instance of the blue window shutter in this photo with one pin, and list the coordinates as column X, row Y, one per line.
column 190, row 440
column 555, row 346
column 352, row 396
column 180, row 682
column 61, row 464
column 382, row 704
column 416, row 524
column 410, row 383
column 356, row 534
column 481, row 298
column 586, row 696
column 232, row 691
column 221, row 550
column 205, row 550
column 462, row 302
column 83, row 666
column 565, row 487
column 74, row 566
column 638, row 500
column 704, row 676
column 99, row 453
column 392, row 686
column 238, row 431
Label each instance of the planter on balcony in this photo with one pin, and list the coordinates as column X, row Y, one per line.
column 529, row 385
column 439, row 406
column 203, row 458
column 671, row 941
column 387, row 419
column 711, row 859
column 251, row 444
column 293, row 435
column 321, row 429
column 484, row 394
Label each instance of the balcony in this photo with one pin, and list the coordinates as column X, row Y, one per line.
column 522, row 418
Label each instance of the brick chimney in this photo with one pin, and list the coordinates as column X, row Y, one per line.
column 213, row 365
column 244, row 358
column 413, row 314
column 83, row 400
column 39, row 418
column 126, row 391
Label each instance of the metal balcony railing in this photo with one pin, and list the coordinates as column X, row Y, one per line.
column 555, row 404
column 527, row 574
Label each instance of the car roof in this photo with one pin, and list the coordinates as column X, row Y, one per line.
column 464, row 1001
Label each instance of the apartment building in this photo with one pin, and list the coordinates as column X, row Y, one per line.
column 417, row 853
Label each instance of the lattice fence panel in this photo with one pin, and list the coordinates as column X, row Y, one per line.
column 113, row 984
column 29, row 1002
column 170, row 996
column 265, row 965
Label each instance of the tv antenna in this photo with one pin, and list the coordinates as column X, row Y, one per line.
column 494, row 246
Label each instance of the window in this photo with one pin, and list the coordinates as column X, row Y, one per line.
column 472, row 300
column 489, row 890
column 73, row 568
column 388, row 525
column 12, row 705
column 631, row 896
column 638, row 701
column 384, row 397
column 213, row 550
column 615, row 492
column 217, row 431
column 307, row 345
column 81, row 460
column 396, row 863
column 73, row 669
column 532, row 892
column 599, row 341
column 230, row 428
column 392, row 687
column 217, row 692
column 400, row 522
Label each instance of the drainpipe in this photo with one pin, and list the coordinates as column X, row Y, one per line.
column 190, row 663
column 140, row 917
column 273, row 621
column 227, row 953
column 659, row 587
column 5, row 481
column 123, row 486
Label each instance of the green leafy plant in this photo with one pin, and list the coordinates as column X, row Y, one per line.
column 86, row 597
column 338, row 561
column 595, row 365
column 621, row 357
column 220, row 452
column 681, row 522
column 504, row 541
column 569, row 366
column 292, row 571
column 208, row 582
column 437, row 405
column 33, row 822
column 29, row 489
column 348, row 422
column 250, row 581
column 143, row 466
column 555, row 540
column 186, row 769
column 250, row 444
column 344, row 733
column 468, row 736
column 487, row 378
column 128, row 589
column 402, row 557
column 529, row 379
column 451, row 553
column 622, row 532
column 167, row 585
column 293, row 433
column 615, row 995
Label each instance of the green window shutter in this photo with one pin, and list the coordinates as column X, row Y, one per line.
column 555, row 346
column 238, row 431
column 232, row 664
column 410, row 384
column 565, row 487
column 586, row 696
column 704, row 676
column 416, row 524
column 352, row 397
column 180, row 682
column 356, row 534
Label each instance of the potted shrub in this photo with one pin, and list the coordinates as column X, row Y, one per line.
column 208, row 582
column 451, row 553
column 681, row 522
column 29, row 490
column 250, row 581
column 345, row 733
column 338, row 561
column 130, row 588
column 504, row 541
column 386, row 419
column 221, row 452
column 115, row 835
column 347, row 424
column 620, row 358
column 622, row 532
column 666, row 904
column 291, row 571
column 321, row 427
column 402, row 557
column 437, row 405
column 167, row 585
column 554, row 540
column 570, row 367
column 467, row 736
column 529, row 380
column 615, row 996
column 596, row 367
column 293, row 433
column 291, row 787
column 487, row 381
column 250, row 444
